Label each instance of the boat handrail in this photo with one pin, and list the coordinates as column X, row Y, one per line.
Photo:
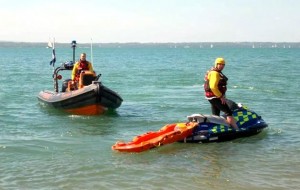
column 68, row 65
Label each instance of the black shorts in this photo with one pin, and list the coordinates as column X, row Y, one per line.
column 217, row 106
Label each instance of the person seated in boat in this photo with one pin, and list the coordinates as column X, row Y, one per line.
column 81, row 65
column 215, row 86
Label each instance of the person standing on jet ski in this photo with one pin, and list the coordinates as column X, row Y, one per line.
column 215, row 87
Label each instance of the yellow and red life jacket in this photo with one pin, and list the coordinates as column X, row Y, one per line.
column 222, row 84
column 82, row 66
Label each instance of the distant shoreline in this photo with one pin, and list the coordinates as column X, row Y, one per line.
column 161, row 44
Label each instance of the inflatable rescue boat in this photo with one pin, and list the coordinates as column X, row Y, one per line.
column 91, row 97
column 198, row 129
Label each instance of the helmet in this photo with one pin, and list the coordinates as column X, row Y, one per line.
column 219, row 60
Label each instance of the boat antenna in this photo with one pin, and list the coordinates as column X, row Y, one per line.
column 73, row 46
column 92, row 51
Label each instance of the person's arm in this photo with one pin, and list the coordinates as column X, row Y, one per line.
column 74, row 71
column 214, row 79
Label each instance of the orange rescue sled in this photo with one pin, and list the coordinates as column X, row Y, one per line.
column 168, row 134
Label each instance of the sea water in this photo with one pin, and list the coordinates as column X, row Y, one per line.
column 44, row 148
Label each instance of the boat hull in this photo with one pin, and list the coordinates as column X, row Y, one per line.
column 90, row 100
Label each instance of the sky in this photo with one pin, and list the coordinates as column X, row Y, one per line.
column 109, row 21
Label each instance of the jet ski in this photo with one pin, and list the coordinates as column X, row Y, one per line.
column 216, row 129
column 198, row 129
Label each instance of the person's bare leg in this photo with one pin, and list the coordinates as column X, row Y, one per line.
column 232, row 122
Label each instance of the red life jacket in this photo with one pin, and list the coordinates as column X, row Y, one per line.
column 222, row 85
column 83, row 66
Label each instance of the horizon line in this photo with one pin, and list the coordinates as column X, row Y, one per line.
column 135, row 42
